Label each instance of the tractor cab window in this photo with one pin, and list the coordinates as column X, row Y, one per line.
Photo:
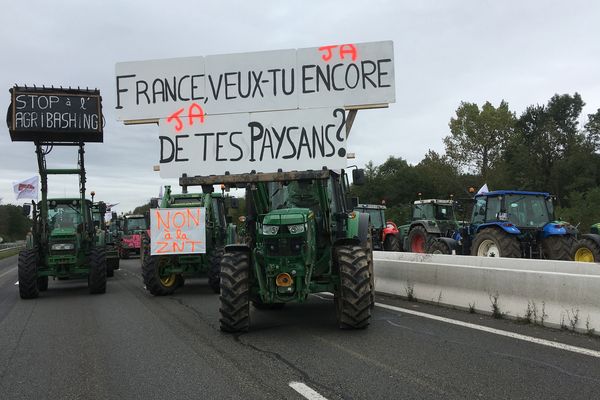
column 550, row 207
column 444, row 213
column 527, row 210
column 218, row 211
column 63, row 216
column 493, row 209
column 135, row 224
column 479, row 211
column 376, row 218
column 423, row 211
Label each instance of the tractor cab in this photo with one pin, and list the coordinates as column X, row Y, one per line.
column 385, row 233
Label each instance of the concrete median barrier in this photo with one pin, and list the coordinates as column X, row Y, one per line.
column 552, row 293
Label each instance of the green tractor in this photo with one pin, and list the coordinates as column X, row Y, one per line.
column 587, row 247
column 303, row 238
column 431, row 218
column 164, row 274
column 63, row 242
column 112, row 252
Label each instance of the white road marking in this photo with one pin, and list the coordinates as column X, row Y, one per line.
column 518, row 336
column 8, row 272
column 306, row 391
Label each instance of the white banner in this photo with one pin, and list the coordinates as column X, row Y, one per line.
column 263, row 142
column 177, row 231
column 347, row 75
column 26, row 189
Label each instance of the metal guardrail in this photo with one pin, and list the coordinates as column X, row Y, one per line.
column 13, row 245
column 560, row 294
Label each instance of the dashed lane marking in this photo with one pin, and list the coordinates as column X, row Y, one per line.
column 306, row 391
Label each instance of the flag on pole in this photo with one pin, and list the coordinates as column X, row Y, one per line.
column 483, row 189
column 27, row 189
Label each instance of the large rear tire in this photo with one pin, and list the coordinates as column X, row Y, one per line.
column 353, row 299
column 585, row 250
column 28, row 280
column 158, row 283
column 391, row 243
column 558, row 247
column 235, row 292
column 492, row 242
column 417, row 239
column 97, row 271
column 214, row 270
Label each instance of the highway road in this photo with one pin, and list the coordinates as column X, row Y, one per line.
column 127, row 344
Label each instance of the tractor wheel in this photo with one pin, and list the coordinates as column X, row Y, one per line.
column 42, row 283
column 439, row 247
column 115, row 263
column 158, row 283
column 492, row 242
column 391, row 243
column 145, row 248
column 110, row 269
column 585, row 250
column 28, row 280
column 369, row 250
column 353, row 299
column 124, row 254
column 417, row 239
column 235, row 292
column 214, row 270
column 558, row 247
column 97, row 273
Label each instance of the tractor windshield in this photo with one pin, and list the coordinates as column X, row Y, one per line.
column 376, row 217
column 527, row 210
column 135, row 224
column 64, row 216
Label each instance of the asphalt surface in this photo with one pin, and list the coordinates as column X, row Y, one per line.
column 127, row 344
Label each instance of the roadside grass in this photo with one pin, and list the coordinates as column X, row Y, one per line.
column 9, row 253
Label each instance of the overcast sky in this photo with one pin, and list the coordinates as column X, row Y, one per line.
column 445, row 52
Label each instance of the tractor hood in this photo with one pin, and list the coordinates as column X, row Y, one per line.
column 62, row 232
column 287, row 216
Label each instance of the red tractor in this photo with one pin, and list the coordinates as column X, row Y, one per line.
column 385, row 233
column 130, row 235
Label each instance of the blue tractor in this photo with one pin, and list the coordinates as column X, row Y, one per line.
column 511, row 223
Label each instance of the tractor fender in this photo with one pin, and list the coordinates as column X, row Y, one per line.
column 452, row 244
column 237, row 247
column 505, row 226
column 357, row 228
column 592, row 236
column 427, row 225
column 553, row 229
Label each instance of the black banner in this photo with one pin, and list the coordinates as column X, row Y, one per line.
column 58, row 115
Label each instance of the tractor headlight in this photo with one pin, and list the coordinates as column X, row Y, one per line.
column 62, row 246
column 299, row 228
column 270, row 229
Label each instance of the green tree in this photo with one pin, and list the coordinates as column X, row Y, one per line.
column 478, row 137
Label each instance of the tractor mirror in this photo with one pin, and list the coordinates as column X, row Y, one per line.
column 154, row 203
column 234, row 203
column 26, row 209
column 358, row 176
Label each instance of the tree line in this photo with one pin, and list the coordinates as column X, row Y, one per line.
column 13, row 224
column 549, row 147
